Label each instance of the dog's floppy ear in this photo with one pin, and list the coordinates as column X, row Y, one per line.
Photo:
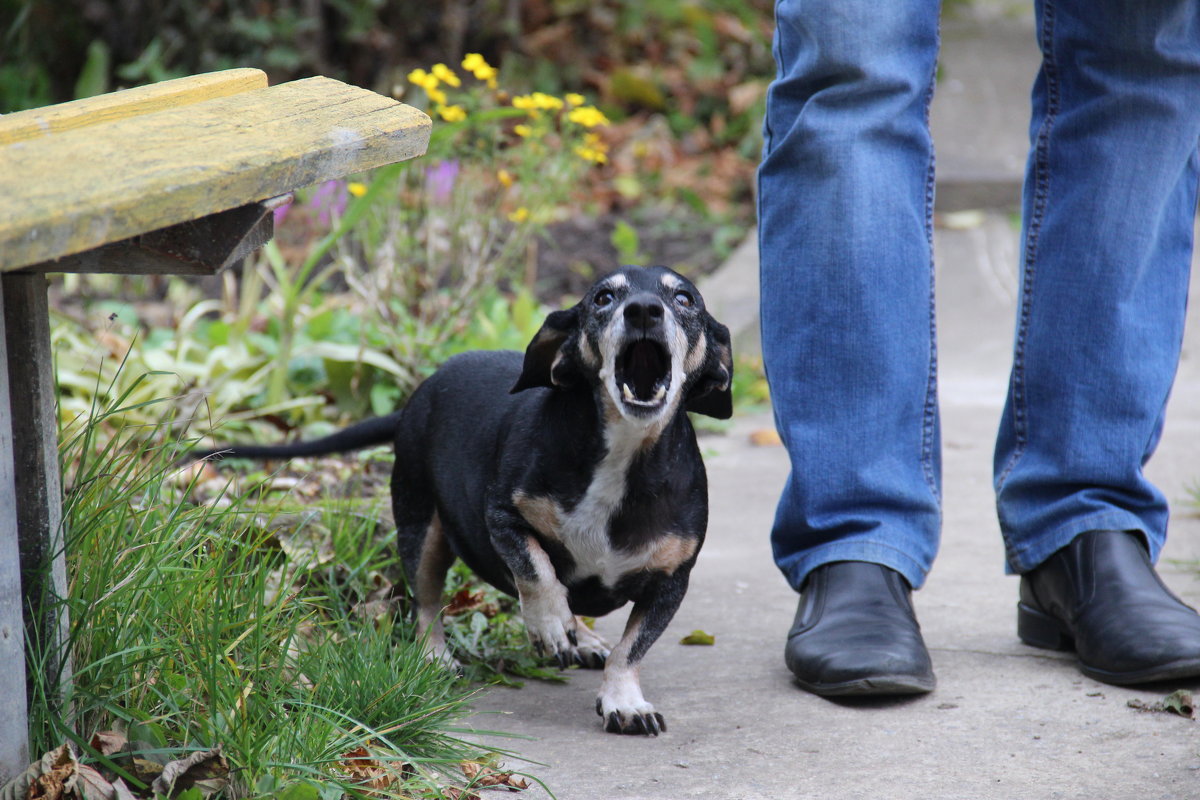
column 710, row 393
column 543, row 364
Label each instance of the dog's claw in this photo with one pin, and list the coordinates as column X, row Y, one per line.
column 649, row 724
column 599, row 708
column 573, row 638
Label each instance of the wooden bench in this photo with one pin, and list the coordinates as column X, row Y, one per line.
column 178, row 177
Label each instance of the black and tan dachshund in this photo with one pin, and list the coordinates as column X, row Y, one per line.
column 569, row 478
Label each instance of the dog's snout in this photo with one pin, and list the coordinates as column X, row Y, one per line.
column 644, row 312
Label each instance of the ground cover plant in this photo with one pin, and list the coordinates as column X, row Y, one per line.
column 237, row 647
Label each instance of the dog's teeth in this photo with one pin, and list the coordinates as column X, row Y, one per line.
column 660, row 394
column 626, row 392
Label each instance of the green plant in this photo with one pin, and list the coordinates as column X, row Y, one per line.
column 194, row 626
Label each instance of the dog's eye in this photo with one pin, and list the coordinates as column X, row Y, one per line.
column 603, row 298
column 684, row 299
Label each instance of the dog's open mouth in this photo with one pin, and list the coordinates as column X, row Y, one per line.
column 643, row 373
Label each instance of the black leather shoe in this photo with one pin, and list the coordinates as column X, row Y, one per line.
column 1100, row 596
column 855, row 633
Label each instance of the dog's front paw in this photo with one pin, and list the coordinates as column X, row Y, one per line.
column 591, row 651
column 624, row 710
column 552, row 633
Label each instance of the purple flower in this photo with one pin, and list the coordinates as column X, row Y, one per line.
column 440, row 179
column 330, row 199
column 282, row 211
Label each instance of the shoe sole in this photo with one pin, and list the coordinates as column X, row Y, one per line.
column 875, row 686
column 1038, row 629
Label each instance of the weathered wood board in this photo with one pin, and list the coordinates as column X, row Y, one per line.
column 82, row 188
column 128, row 103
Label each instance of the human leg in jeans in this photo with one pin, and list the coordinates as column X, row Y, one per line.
column 1109, row 209
column 845, row 222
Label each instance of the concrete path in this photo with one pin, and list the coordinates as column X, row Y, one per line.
column 1006, row 721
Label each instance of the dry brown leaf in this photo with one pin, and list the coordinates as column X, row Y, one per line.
column 466, row 601
column 106, row 743
column 205, row 770
column 91, row 785
column 369, row 773
column 58, row 766
column 484, row 776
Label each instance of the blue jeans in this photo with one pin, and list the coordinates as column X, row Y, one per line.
column 849, row 340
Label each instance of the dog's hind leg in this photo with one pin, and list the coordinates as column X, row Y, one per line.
column 428, row 579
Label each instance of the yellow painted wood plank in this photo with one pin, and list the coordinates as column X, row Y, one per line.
column 128, row 103
column 73, row 191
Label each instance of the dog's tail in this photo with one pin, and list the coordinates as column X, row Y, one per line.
column 377, row 430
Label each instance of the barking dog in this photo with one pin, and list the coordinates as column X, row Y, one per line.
column 569, row 478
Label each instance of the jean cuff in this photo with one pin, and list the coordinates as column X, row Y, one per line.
column 797, row 568
column 1033, row 554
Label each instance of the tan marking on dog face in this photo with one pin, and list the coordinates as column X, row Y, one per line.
column 587, row 353
column 669, row 552
column 543, row 513
column 695, row 358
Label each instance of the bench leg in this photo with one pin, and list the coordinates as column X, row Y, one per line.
column 28, row 402
column 14, row 733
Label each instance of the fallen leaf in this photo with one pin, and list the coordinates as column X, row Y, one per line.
column 1178, row 702
column 765, row 437
column 699, row 637
column 58, row 766
column 205, row 770
column 484, row 776
column 373, row 775
column 106, row 743
column 91, row 785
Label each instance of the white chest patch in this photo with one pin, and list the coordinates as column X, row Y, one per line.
column 583, row 531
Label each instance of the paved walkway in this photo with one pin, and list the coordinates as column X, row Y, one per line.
column 1006, row 721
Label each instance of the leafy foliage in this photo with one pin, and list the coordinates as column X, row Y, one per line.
column 233, row 625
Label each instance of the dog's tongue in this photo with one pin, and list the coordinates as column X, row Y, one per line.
column 644, row 369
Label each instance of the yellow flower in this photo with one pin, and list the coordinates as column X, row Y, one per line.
column 574, row 99
column 593, row 149
column 591, row 154
column 436, row 96
column 445, row 75
column 587, row 116
column 452, row 113
column 420, row 77
column 520, row 215
column 505, row 178
column 546, row 102
column 522, row 130
column 477, row 66
column 357, row 189
column 524, row 102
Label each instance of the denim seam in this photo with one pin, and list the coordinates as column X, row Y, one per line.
column 1041, row 190
column 929, row 420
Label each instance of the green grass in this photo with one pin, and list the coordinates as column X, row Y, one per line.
column 192, row 626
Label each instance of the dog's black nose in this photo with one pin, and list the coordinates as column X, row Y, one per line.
column 644, row 312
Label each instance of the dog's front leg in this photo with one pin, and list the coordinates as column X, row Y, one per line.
column 551, row 626
column 620, row 703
